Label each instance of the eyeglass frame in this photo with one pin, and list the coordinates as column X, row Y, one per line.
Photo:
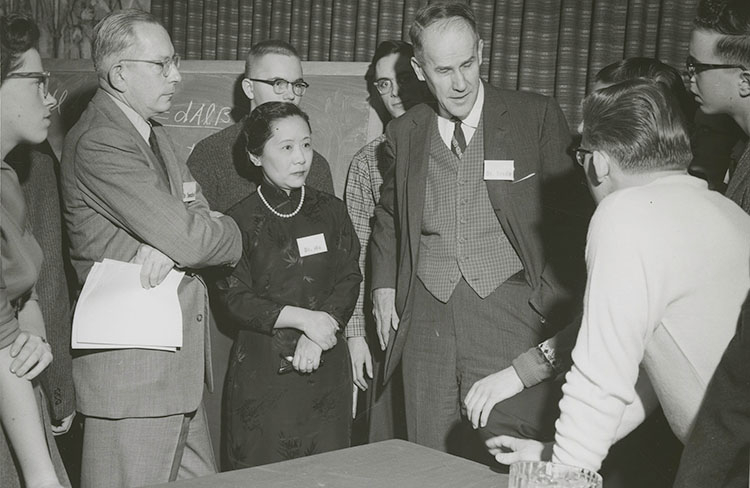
column 693, row 66
column 581, row 153
column 166, row 63
column 42, row 76
column 401, row 79
column 280, row 85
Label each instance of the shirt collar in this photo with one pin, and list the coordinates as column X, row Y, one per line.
column 140, row 124
column 472, row 120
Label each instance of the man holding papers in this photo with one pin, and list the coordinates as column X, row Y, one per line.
column 127, row 198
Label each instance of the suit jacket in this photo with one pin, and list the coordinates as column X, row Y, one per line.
column 114, row 200
column 221, row 166
column 37, row 168
column 716, row 453
column 540, row 211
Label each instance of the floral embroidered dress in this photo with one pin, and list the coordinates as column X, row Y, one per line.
column 270, row 416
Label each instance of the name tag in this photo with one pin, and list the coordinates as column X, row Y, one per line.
column 311, row 245
column 498, row 169
column 189, row 190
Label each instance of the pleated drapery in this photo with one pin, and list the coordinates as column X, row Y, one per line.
column 549, row 46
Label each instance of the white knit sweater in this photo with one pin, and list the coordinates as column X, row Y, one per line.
column 668, row 269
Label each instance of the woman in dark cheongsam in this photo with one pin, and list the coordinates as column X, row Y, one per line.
column 289, row 382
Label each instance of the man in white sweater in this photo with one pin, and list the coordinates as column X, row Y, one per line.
column 661, row 304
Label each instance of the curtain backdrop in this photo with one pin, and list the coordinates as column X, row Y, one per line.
column 548, row 46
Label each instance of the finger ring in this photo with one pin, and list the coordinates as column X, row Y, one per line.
column 309, row 360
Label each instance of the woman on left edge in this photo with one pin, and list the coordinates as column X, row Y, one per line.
column 24, row 353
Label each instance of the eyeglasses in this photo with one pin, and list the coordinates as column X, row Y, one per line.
column 165, row 64
column 385, row 85
column 280, row 85
column 694, row 67
column 42, row 78
column 582, row 154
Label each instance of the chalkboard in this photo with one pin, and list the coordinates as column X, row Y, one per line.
column 209, row 98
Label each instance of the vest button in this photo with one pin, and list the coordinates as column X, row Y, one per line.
column 199, row 318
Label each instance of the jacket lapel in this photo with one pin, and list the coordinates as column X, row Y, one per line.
column 107, row 106
column 416, row 180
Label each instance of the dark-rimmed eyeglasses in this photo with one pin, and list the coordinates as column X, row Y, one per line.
column 582, row 154
column 385, row 85
column 693, row 66
column 165, row 64
column 280, row 85
column 42, row 78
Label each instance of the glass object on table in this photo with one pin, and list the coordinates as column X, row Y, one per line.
column 542, row 474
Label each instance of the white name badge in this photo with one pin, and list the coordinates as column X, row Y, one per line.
column 311, row 245
column 498, row 169
column 189, row 190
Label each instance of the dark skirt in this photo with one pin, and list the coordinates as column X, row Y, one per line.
column 273, row 417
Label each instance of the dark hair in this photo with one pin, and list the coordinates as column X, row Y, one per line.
column 650, row 69
column 429, row 14
column 269, row 46
column 731, row 19
column 18, row 34
column 638, row 123
column 114, row 35
column 257, row 128
column 386, row 48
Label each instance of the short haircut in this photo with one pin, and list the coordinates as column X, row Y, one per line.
column 257, row 128
column 114, row 35
column 650, row 69
column 731, row 19
column 386, row 48
column 637, row 122
column 429, row 14
column 269, row 46
column 18, row 34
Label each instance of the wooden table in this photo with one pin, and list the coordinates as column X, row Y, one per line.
column 387, row 464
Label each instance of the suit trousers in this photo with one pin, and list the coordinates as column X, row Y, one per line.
column 135, row 452
column 451, row 345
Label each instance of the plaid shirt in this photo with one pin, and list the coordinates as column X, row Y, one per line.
column 362, row 193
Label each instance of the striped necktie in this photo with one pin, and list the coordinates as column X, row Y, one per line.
column 458, row 143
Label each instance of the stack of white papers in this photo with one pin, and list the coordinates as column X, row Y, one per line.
column 114, row 311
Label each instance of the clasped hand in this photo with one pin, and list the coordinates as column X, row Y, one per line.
column 321, row 328
column 306, row 355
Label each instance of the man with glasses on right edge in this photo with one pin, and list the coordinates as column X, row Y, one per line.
column 719, row 70
column 273, row 73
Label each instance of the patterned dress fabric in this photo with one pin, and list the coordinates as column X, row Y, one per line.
column 271, row 416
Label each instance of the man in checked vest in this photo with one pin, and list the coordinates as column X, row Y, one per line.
column 477, row 253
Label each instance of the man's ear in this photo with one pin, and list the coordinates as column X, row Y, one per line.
column 600, row 167
column 480, row 48
column 116, row 78
column 745, row 84
column 417, row 68
column 254, row 159
column 248, row 88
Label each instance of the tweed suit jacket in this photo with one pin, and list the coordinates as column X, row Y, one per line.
column 539, row 210
column 226, row 175
column 114, row 200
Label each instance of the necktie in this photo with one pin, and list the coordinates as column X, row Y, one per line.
column 458, row 143
column 161, row 167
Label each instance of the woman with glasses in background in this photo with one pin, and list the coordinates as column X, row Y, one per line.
column 24, row 352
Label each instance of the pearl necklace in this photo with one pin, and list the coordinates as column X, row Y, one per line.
column 279, row 214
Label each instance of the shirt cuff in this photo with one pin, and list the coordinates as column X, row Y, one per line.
column 532, row 367
column 355, row 327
